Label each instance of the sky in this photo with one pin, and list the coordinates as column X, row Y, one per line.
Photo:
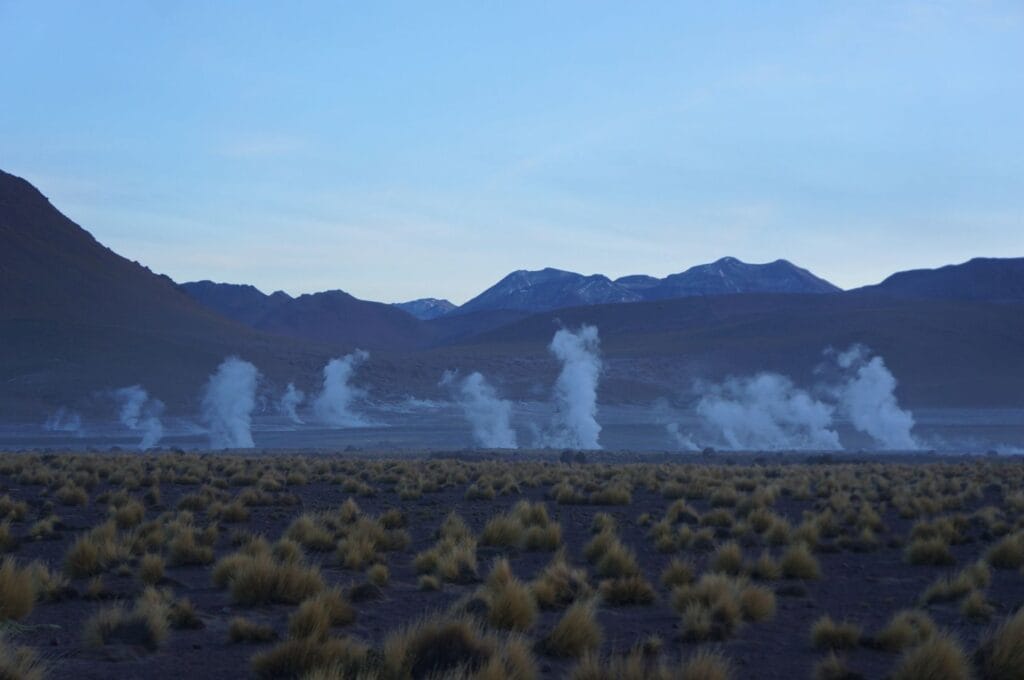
column 406, row 150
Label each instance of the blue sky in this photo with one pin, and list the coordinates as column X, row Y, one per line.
column 406, row 150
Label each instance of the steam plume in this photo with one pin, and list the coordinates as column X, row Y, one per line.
column 141, row 413
column 290, row 402
column 768, row 412
column 867, row 397
column 575, row 424
column 333, row 404
column 227, row 402
column 64, row 420
column 489, row 415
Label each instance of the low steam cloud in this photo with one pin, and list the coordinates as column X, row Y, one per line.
column 141, row 413
column 768, row 412
column 489, row 415
column 227, row 404
column 575, row 423
column 334, row 404
column 64, row 420
column 290, row 402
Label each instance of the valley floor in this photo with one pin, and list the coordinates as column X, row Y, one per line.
column 447, row 565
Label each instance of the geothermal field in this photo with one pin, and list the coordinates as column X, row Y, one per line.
column 510, row 566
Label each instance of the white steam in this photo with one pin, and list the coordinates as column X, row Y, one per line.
column 140, row 413
column 867, row 396
column 64, row 420
column 334, row 404
column 290, row 401
column 575, row 423
column 768, row 412
column 228, row 401
column 489, row 415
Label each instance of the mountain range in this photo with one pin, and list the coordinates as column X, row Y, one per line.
column 78, row 320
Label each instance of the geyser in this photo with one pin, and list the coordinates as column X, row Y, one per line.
column 227, row 403
column 140, row 413
column 290, row 401
column 333, row 405
column 867, row 397
column 575, row 422
column 489, row 415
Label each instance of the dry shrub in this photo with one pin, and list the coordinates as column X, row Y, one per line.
column 17, row 590
column 454, row 648
column 975, row 607
column 300, row 657
column 679, row 572
column 765, row 567
column 243, row 630
column 905, row 629
column 378, row 575
column 151, row 569
column 832, row 668
column 639, row 665
column 510, row 604
column 1003, row 653
column 259, row 579
column 576, row 633
column 829, row 634
column 559, row 584
column 20, row 663
column 627, row 590
column 798, row 562
column 94, row 551
column 453, row 557
column 728, row 559
column 940, row 657
column 144, row 625
column 186, row 549
column 707, row 665
column 1007, row 553
column 929, row 551
column 757, row 603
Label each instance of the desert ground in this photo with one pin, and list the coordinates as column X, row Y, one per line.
column 441, row 565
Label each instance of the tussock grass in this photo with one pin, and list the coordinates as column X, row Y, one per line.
column 559, row 584
column 510, row 603
column 1003, row 653
column 243, row 630
column 940, row 657
column 20, row 663
column 17, row 590
column 440, row 647
column 905, row 629
column 259, row 579
column 145, row 624
column 627, row 590
column 798, row 563
column 929, row 551
column 298, row 658
column 576, row 633
column 829, row 634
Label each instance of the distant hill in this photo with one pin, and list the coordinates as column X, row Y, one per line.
column 729, row 275
column 76, row 318
column 535, row 291
column 332, row 317
column 944, row 353
column 983, row 278
column 426, row 308
column 548, row 289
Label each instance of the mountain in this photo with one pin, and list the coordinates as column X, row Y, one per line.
column 426, row 308
column 535, row 291
column 944, row 353
column 983, row 278
column 548, row 289
column 729, row 275
column 332, row 317
column 76, row 319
